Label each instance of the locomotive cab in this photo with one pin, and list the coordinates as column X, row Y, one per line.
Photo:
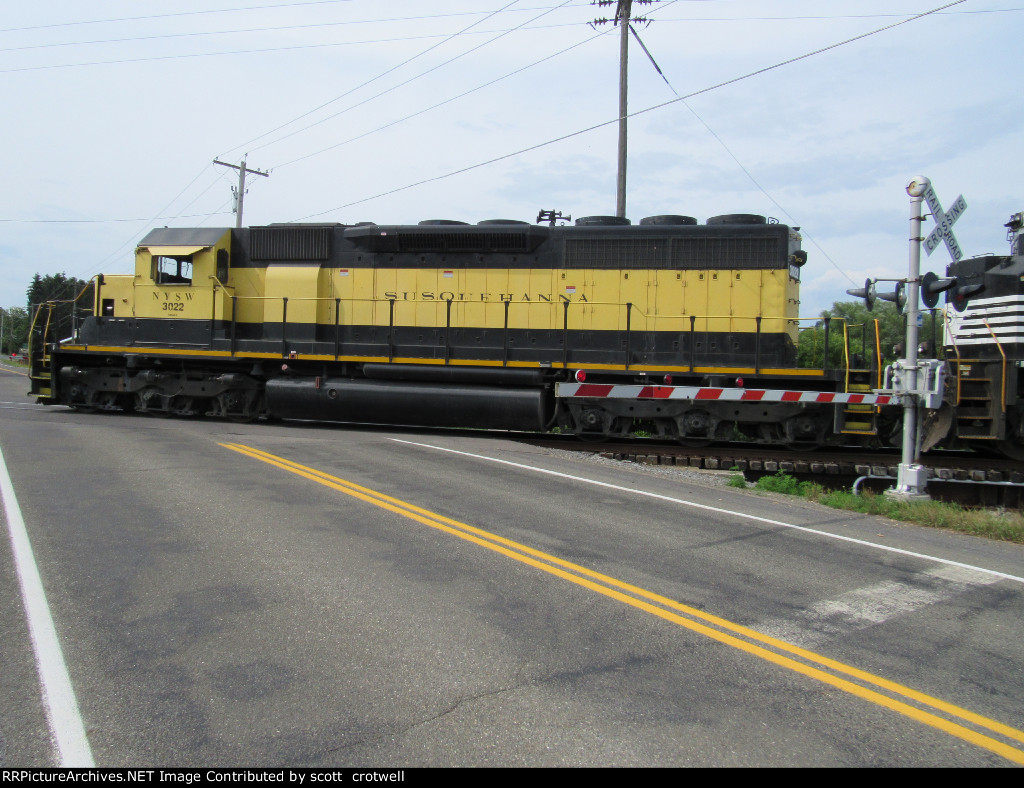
column 181, row 275
column 177, row 272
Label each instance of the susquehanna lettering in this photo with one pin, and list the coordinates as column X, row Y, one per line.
column 449, row 295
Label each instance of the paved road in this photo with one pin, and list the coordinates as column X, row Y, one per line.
column 289, row 594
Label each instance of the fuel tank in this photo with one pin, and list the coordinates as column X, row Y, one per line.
column 420, row 404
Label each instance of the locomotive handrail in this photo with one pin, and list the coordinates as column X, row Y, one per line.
column 213, row 310
column 439, row 301
column 846, row 355
column 44, row 356
column 51, row 303
column 507, row 304
column 956, row 349
column 878, row 354
column 1002, row 378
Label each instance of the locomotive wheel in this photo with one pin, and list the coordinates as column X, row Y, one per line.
column 240, row 407
column 82, row 398
column 142, row 405
column 183, row 407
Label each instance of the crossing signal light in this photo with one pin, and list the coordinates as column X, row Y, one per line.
column 931, row 286
column 960, row 294
column 897, row 296
column 867, row 293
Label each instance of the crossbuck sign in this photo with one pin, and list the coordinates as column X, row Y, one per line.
column 943, row 223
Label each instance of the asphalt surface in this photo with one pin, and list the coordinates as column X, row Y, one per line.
column 219, row 607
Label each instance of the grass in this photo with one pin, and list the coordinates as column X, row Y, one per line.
column 737, row 480
column 1002, row 526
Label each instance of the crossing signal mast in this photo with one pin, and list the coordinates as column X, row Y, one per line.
column 918, row 383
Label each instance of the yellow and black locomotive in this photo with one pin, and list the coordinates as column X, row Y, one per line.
column 599, row 328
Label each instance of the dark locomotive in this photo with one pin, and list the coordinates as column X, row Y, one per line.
column 984, row 350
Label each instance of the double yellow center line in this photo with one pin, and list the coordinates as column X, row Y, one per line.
column 875, row 689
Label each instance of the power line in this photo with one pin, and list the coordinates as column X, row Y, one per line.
column 364, row 84
column 239, row 31
column 825, row 18
column 734, row 157
column 105, row 221
column 102, row 262
column 442, row 103
column 790, row 17
column 402, row 84
column 299, row 47
column 187, row 56
column 391, row 124
column 652, row 108
column 172, row 14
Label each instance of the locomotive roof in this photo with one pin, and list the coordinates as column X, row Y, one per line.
column 184, row 236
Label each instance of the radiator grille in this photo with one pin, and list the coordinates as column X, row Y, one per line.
column 686, row 253
column 291, row 243
column 616, row 253
column 717, row 253
column 515, row 243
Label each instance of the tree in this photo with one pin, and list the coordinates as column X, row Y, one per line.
column 859, row 332
column 15, row 323
column 72, row 299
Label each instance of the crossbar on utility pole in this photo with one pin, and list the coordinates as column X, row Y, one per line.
column 242, row 172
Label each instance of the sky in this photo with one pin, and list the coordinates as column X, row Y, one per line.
column 115, row 110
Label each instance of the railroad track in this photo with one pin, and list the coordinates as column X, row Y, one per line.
column 957, row 476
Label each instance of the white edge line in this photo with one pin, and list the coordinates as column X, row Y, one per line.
column 58, row 695
column 743, row 515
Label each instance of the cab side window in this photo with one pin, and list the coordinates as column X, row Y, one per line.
column 172, row 270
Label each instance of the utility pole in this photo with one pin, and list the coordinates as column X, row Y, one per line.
column 240, row 192
column 623, row 16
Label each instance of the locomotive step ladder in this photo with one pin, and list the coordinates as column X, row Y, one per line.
column 979, row 415
column 39, row 371
column 861, row 378
column 858, row 419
